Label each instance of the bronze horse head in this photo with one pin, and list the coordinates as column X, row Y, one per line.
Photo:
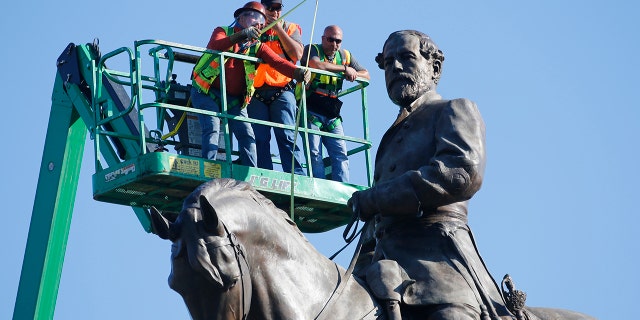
column 208, row 266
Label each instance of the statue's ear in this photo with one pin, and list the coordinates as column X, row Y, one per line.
column 159, row 224
column 437, row 68
column 210, row 217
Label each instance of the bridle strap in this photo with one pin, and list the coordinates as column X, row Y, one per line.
column 243, row 265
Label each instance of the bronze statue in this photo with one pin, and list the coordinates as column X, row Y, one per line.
column 430, row 162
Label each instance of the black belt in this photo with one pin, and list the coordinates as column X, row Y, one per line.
column 268, row 100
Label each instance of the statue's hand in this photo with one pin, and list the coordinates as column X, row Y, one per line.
column 358, row 204
column 353, row 203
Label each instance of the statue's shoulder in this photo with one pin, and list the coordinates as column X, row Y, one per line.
column 462, row 103
column 454, row 105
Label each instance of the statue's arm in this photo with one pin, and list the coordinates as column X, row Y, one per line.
column 453, row 174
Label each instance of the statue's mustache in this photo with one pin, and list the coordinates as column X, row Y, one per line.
column 402, row 77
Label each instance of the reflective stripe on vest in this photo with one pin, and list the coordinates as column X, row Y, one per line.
column 207, row 69
column 267, row 74
column 325, row 82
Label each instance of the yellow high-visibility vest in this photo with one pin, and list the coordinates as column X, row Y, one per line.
column 207, row 69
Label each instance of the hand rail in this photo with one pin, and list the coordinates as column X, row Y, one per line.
column 173, row 52
column 98, row 93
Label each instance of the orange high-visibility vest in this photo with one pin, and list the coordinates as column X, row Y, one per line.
column 267, row 74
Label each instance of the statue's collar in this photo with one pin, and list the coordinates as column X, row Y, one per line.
column 430, row 95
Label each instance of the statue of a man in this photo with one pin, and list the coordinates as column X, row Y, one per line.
column 429, row 164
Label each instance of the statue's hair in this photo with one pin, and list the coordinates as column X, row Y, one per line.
column 428, row 48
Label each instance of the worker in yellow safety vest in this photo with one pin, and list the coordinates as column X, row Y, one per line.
column 241, row 37
column 323, row 105
column 274, row 99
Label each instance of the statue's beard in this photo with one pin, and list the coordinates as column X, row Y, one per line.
column 405, row 88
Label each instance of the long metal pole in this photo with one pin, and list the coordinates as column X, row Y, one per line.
column 270, row 25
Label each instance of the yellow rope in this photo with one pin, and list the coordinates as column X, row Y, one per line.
column 179, row 124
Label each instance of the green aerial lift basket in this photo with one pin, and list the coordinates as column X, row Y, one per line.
column 163, row 179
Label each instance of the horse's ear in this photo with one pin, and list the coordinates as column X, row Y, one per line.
column 210, row 216
column 159, row 224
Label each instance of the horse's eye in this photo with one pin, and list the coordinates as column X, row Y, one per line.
column 233, row 283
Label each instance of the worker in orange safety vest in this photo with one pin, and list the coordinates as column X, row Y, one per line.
column 274, row 99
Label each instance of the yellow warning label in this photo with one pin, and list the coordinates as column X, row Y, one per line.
column 212, row 170
column 185, row 166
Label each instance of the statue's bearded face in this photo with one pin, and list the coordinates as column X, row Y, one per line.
column 408, row 74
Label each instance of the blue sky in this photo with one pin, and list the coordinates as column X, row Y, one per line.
column 554, row 80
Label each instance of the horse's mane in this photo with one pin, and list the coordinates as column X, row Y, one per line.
column 218, row 188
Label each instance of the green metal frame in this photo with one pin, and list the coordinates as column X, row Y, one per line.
column 140, row 178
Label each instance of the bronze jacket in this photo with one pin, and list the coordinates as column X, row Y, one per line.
column 433, row 157
column 429, row 164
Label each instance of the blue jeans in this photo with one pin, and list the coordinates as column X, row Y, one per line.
column 210, row 126
column 281, row 110
column 336, row 149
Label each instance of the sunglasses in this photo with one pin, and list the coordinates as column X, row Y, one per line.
column 276, row 8
column 332, row 39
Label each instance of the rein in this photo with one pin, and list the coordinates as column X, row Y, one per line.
column 347, row 276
